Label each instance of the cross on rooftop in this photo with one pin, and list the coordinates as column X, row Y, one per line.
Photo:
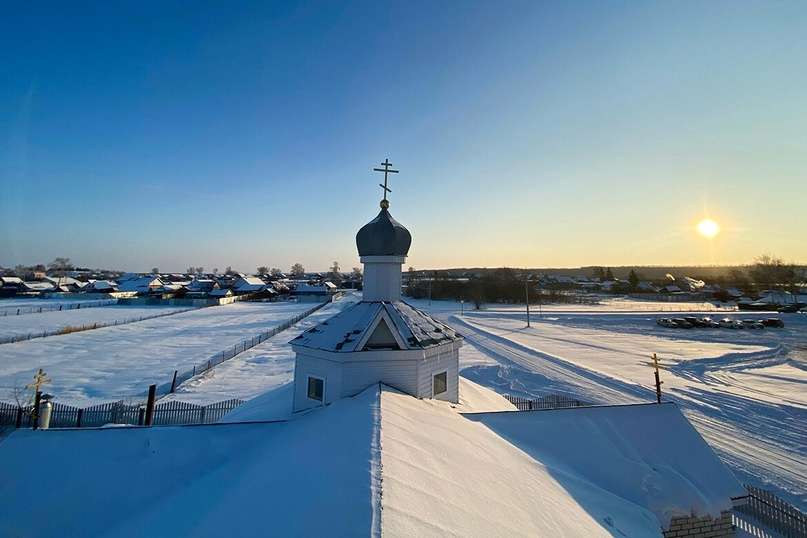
column 387, row 170
column 39, row 379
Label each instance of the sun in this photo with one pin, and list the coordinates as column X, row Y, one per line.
column 708, row 228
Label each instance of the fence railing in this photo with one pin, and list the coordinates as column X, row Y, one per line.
column 86, row 327
column 120, row 412
column 20, row 310
column 181, row 377
column 773, row 512
column 550, row 401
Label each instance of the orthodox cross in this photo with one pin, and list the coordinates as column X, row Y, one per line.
column 387, row 170
column 39, row 379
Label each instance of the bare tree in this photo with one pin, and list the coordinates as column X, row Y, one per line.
column 275, row 272
column 229, row 270
column 356, row 273
column 771, row 272
column 297, row 270
column 262, row 270
column 155, row 270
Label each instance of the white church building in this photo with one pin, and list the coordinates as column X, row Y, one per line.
column 381, row 339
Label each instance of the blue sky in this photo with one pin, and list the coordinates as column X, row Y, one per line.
column 527, row 133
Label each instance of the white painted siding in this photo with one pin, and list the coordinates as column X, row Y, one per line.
column 312, row 366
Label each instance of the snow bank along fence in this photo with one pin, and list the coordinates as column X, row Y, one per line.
column 164, row 414
column 772, row 512
column 181, row 377
column 551, row 401
column 86, row 327
column 20, row 310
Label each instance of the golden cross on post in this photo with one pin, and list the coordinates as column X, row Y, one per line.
column 39, row 379
column 387, row 170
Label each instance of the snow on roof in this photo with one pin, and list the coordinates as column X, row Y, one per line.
column 139, row 284
column 253, row 479
column 38, row 286
column 346, row 330
column 10, row 280
column 648, row 456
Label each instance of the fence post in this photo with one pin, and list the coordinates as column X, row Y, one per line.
column 150, row 405
column 174, row 382
column 78, row 417
column 19, row 417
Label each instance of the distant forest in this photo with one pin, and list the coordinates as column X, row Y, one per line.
column 507, row 285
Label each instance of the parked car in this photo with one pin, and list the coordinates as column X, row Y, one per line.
column 729, row 323
column 772, row 322
column 666, row 322
column 681, row 323
column 791, row 308
column 692, row 321
column 708, row 322
column 752, row 324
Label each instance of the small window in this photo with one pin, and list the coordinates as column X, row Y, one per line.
column 440, row 383
column 316, row 388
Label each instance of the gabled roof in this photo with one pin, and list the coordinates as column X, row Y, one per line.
column 351, row 328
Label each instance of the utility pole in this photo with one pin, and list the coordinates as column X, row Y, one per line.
column 527, row 297
column 658, row 380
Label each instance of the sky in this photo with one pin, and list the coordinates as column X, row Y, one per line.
column 544, row 134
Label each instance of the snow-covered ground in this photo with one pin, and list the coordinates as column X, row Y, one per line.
column 743, row 390
column 9, row 306
column 117, row 362
column 50, row 322
column 264, row 367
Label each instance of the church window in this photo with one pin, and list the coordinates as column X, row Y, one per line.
column 440, row 383
column 316, row 388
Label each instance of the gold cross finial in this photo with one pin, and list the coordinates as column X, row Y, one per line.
column 39, row 379
column 387, row 170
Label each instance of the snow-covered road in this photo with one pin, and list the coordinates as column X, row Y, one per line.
column 743, row 390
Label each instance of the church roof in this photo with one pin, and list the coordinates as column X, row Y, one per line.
column 383, row 236
column 347, row 330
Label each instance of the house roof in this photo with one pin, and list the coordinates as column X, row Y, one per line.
column 346, row 331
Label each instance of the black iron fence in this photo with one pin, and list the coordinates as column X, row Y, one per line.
column 773, row 512
column 120, row 412
column 550, row 401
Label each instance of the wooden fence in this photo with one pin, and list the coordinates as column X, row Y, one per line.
column 181, row 377
column 30, row 309
column 86, row 327
column 551, row 401
column 773, row 512
column 120, row 412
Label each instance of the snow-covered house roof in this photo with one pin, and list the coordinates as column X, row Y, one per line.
column 10, row 281
column 249, row 283
column 38, row 286
column 392, row 465
column 101, row 285
column 141, row 284
column 349, row 330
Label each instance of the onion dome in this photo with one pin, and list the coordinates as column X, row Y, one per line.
column 383, row 236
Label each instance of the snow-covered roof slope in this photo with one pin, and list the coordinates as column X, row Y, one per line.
column 347, row 330
column 648, row 455
column 446, row 475
column 311, row 476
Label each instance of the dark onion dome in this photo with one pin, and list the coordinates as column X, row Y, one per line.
column 383, row 236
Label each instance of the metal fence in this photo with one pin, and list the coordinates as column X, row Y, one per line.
column 550, row 401
column 181, row 377
column 120, row 412
column 20, row 310
column 86, row 327
column 773, row 512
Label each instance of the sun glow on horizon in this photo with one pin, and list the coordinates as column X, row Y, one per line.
column 708, row 228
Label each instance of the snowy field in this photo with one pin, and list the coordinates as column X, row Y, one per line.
column 49, row 322
column 744, row 390
column 265, row 367
column 116, row 362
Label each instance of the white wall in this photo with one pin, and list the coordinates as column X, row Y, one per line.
column 382, row 278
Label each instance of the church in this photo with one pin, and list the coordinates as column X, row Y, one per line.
column 381, row 339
